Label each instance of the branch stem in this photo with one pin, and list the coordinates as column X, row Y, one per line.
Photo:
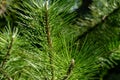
column 69, row 71
column 8, row 52
column 49, row 40
column 6, row 58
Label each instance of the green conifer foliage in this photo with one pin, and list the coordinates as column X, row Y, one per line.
column 47, row 40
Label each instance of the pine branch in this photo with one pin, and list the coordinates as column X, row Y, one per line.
column 6, row 58
column 71, row 66
column 104, row 18
column 49, row 40
column 8, row 52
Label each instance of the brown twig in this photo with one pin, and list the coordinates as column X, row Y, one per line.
column 71, row 66
column 49, row 40
column 8, row 52
column 5, row 59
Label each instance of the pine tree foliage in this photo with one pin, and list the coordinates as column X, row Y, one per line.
column 44, row 40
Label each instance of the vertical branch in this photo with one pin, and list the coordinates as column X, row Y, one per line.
column 71, row 66
column 49, row 40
